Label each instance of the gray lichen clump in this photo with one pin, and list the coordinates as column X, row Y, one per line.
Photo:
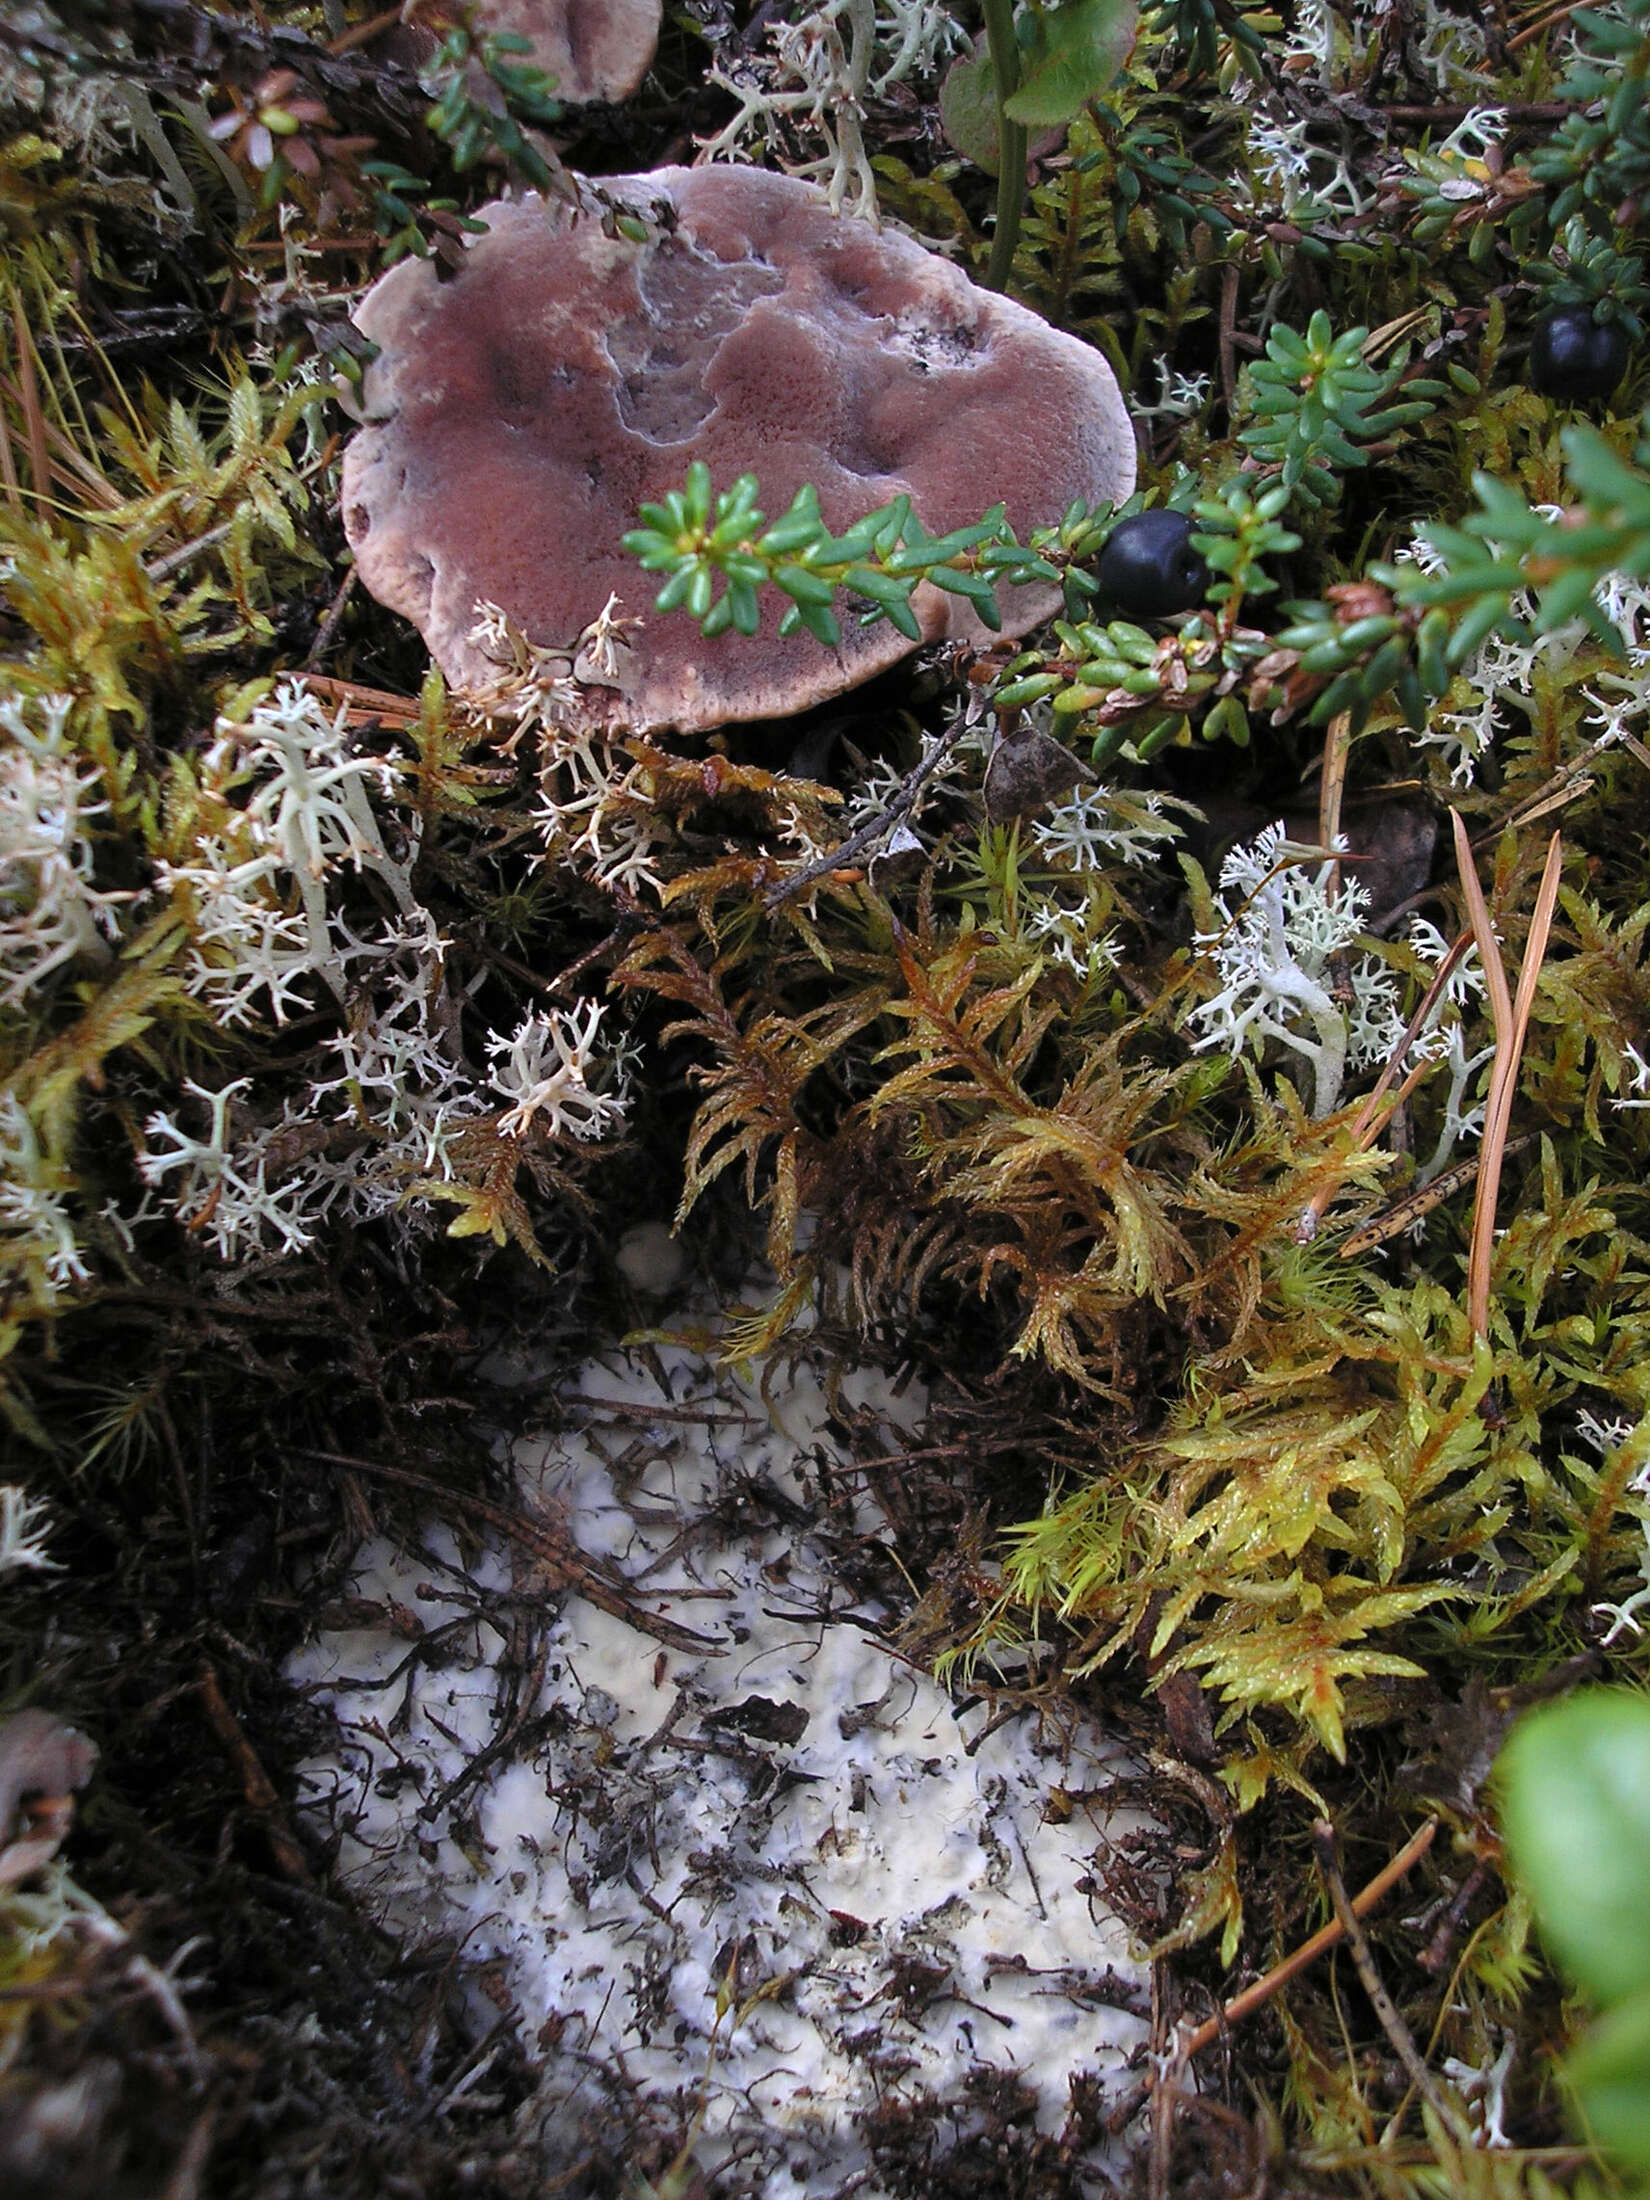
column 519, row 412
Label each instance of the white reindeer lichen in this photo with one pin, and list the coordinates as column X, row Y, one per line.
column 1282, row 921
column 551, row 1069
column 50, row 910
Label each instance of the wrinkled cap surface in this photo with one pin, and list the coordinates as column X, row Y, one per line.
column 595, row 49
column 521, row 411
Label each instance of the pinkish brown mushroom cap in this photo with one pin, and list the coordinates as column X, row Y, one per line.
column 519, row 412
column 595, row 49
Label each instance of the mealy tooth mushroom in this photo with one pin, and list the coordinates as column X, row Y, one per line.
column 520, row 411
column 595, row 49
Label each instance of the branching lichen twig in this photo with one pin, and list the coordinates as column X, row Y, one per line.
column 876, row 829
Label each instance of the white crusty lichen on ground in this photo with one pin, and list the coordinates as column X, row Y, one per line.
column 747, row 1896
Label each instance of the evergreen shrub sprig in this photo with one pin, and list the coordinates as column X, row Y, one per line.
column 1597, row 163
column 699, row 539
column 1408, row 628
column 1502, row 557
column 521, row 98
column 1313, row 395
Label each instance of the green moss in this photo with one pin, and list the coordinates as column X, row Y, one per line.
column 1236, row 1431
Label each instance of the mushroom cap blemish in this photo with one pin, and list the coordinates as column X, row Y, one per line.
column 519, row 412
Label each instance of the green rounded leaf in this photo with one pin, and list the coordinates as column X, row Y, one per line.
column 1575, row 1781
column 968, row 107
column 1611, row 2075
column 1077, row 54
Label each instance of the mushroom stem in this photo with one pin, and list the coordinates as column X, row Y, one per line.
column 1011, row 142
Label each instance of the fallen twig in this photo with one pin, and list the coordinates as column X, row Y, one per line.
column 557, row 1553
column 1370, row 1122
column 1550, row 22
column 256, row 1785
column 379, row 703
column 326, row 632
column 895, row 812
column 509, row 1733
column 1327, row 1849
column 1421, row 1201
column 1254, row 1997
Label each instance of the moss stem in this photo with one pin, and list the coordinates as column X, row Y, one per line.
column 1011, row 142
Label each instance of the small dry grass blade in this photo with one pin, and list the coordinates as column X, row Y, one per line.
column 1372, row 1117
column 1337, row 755
column 34, row 417
column 1511, row 1020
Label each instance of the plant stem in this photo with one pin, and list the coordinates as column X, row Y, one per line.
column 1327, row 1849
column 877, row 828
column 1011, row 142
column 1326, row 1937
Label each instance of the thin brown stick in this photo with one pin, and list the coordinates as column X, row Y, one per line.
column 256, row 1785
column 1412, row 1031
column 1228, row 325
column 1568, row 784
column 381, row 702
column 328, row 629
column 1253, row 1997
column 1389, row 333
column 1392, row 2024
column 1534, row 30
column 1453, row 110
column 1165, row 2097
column 185, row 2180
column 559, row 1555
column 1420, row 1202
column 625, row 1409
column 364, row 33
column 1435, row 1957
column 509, row 1734
column 175, row 560
column 870, row 835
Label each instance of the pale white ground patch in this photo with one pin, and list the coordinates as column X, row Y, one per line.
column 775, row 1888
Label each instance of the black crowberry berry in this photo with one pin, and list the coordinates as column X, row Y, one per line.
column 1574, row 358
column 1149, row 568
